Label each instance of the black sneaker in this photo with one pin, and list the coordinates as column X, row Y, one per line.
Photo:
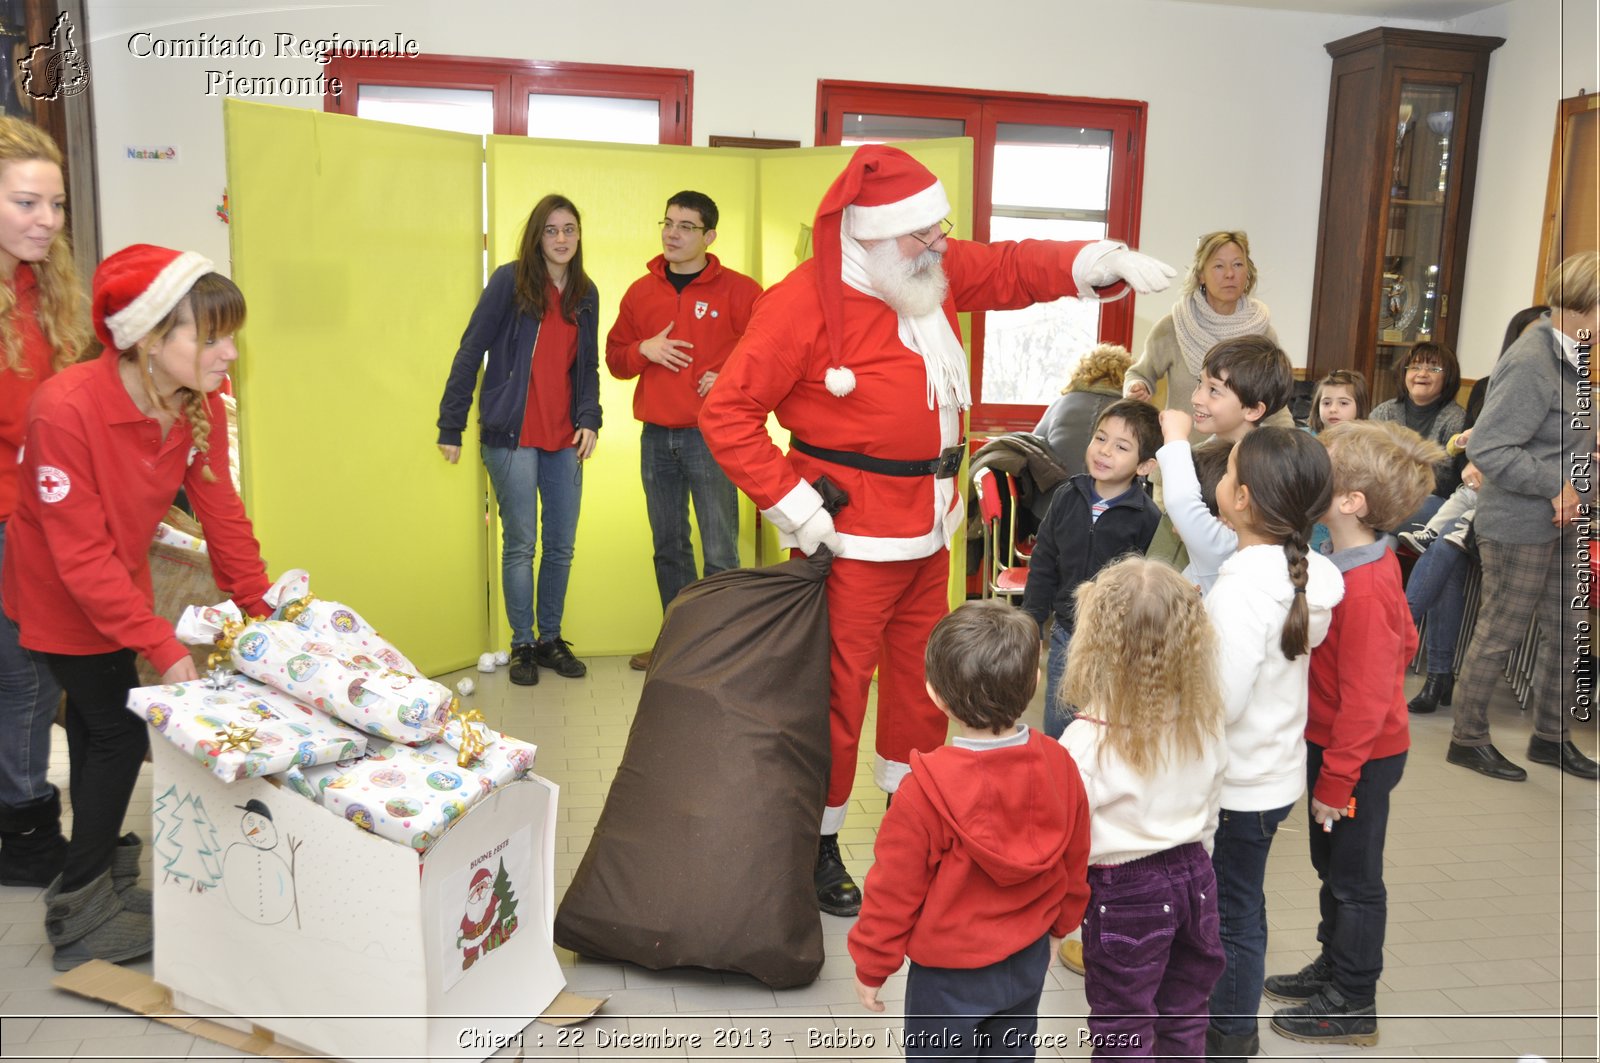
column 1304, row 984
column 524, row 671
column 1328, row 1019
column 556, row 655
column 837, row 892
column 1419, row 540
column 1231, row 1047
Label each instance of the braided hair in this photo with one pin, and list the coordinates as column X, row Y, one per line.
column 1291, row 486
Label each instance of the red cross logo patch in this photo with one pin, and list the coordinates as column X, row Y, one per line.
column 53, row 484
column 700, row 308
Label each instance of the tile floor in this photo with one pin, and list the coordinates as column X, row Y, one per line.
column 1491, row 941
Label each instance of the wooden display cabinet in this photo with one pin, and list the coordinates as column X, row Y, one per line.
column 1404, row 112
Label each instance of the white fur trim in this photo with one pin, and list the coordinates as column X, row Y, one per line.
column 794, row 509
column 888, row 773
column 833, row 818
column 916, row 211
column 840, row 380
column 133, row 322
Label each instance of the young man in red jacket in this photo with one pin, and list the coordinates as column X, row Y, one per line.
column 1357, row 731
column 675, row 327
column 982, row 862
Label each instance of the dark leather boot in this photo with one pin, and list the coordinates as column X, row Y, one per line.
column 1563, row 755
column 32, row 849
column 837, row 892
column 1436, row 690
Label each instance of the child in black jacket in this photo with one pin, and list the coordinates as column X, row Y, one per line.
column 1095, row 518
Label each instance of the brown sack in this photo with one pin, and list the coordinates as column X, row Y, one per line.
column 704, row 853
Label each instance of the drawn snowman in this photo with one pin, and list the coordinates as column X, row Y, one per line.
column 259, row 881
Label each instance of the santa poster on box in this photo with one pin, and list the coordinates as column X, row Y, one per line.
column 487, row 917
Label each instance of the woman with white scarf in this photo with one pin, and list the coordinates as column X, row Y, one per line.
column 1216, row 306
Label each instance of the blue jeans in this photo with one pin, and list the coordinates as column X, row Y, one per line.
column 1349, row 861
column 1438, row 589
column 522, row 479
column 1244, row 839
column 989, row 1013
column 676, row 465
column 28, row 697
column 1057, row 713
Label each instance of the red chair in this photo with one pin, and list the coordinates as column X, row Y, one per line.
column 1005, row 569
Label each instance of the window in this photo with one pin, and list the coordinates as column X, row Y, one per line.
column 569, row 101
column 1047, row 167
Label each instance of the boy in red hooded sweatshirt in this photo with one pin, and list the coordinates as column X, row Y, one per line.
column 982, row 859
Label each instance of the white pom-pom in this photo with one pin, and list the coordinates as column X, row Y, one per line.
column 465, row 687
column 840, row 380
column 486, row 662
column 502, row 657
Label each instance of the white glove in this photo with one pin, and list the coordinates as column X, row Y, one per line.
column 1143, row 273
column 817, row 530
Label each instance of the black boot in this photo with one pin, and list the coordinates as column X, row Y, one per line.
column 1436, row 690
column 32, row 849
column 837, row 892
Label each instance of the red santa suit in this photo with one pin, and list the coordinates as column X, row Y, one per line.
column 833, row 363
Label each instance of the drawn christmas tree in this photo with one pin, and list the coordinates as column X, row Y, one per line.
column 197, row 850
column 506, row 908
column 163, row 816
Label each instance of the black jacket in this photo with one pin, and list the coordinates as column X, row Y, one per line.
column 508, row 335
column 1072, row 546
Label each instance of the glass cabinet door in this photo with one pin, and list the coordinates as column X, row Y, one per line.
column 1422, row 179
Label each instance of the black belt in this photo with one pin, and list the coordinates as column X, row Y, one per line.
column 944, row 467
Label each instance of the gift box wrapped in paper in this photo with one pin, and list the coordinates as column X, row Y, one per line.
column 411, row 795
column 245, row 728
column 354, row 678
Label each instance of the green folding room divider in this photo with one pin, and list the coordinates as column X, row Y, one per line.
column 359, row 248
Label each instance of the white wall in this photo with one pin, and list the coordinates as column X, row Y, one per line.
column 1549, row 55
column 1238, row 97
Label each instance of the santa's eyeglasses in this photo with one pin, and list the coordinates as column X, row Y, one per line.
column 933, row 233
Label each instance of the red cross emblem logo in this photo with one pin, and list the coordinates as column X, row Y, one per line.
column 53, row 484
column 700, row 308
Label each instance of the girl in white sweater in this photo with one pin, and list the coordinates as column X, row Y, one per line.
column 1271, row 604
column 1148, row 744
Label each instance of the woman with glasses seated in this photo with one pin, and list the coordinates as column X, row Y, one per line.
column 1427, row 405
column 538, row 418
column 1216, row 306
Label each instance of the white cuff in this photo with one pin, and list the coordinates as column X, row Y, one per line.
column 1085, row 262
column 888, row 773
column 833, row 818
column 794, row 508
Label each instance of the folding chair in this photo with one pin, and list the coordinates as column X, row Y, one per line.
column 1005, row 571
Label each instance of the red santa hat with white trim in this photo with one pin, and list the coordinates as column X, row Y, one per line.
column 137, row 287
column 882, row 193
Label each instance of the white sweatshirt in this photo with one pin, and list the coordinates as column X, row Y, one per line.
column 1209, row 541
column 1264, row 693
column 1133, row 816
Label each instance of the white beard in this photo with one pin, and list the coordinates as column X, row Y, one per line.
column 914, row 287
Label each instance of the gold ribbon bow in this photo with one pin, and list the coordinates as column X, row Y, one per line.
column 472, row 744
column 238, row 737
column 231, row 630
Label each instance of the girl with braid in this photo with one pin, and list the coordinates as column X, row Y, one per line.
column 108, row 444
column 1271, row 604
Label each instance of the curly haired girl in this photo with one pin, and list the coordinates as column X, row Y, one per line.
column 1149, row 746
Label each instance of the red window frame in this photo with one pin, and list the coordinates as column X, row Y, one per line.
column 982, row 112
column 511, row 80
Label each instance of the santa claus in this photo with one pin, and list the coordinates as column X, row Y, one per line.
column 482, row 914
column 859, row 354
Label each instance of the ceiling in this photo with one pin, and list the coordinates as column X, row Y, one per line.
column 1427, row 10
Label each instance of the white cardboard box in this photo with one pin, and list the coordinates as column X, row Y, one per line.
column 334, row 939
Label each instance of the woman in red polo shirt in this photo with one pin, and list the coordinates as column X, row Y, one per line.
column 109, row 442
column 44, row 325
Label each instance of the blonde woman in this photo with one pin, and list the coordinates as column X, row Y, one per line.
column 108, row 444
column 1148, row 743
column 1216, row 306
column 44, row 326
